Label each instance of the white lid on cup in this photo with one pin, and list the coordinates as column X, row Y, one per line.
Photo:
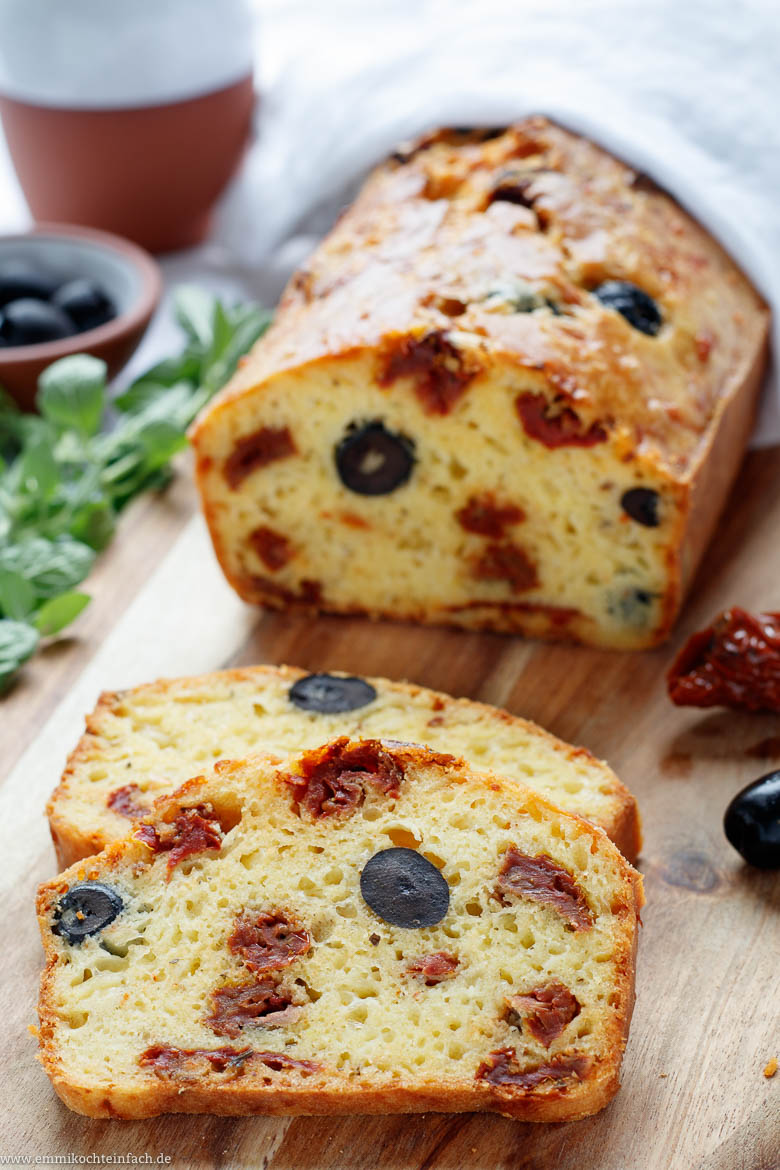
column 113, row 54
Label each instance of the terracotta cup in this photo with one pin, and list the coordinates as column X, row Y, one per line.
column 130, row 118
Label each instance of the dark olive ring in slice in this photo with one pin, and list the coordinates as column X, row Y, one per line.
column 633, row 303
column 373, row 461
column 641, row 504
column 404, row 888
column 85, row 909
column 329, row 694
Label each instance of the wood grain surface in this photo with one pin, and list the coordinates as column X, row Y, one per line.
column 708, row 987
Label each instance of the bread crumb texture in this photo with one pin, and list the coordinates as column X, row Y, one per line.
column 251, row 975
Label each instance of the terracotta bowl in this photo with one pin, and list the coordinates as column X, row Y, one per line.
column 129, row 276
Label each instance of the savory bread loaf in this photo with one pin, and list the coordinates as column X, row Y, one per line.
column 367, row 927
column 144, row 742
column 510, row 391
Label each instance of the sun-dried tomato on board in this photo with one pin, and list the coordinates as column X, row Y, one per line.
column 734, row 663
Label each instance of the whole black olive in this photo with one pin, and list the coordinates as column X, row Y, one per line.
column 373, row 461
column 85, row 303
column 404, row 888
column 31, row 322
column 752, row 822
column 639, row 309
column 18, row 280
column 641, row 504
column 85, row 909
column 328, row 694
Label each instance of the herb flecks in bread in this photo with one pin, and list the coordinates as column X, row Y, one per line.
column 258, row 977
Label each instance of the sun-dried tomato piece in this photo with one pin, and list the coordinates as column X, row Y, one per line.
column 249, row 1003
column 734, row 663
column 168, row 1061
column 333, row 778
column 435, row 968
column 562, row 428
column 309, row 595
column 268, row 940
column 278, row 1062
column 127, row 802
column 502, row 1068
column 544, row 1011
column 543, row 880
column 506, row 562
column 195, row 830
column 440, row 370
column 484, row 517
column 273, row 548
column 256, row 450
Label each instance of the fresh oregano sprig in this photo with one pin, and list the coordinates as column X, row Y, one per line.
column 65, row 475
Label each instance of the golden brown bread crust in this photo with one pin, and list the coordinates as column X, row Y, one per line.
column 327, row 1091
column 413, row 258
column 75, row 837
column 601, row 222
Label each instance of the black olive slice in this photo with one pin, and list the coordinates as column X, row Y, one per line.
column 329, row 694
column 374, row 461
column 638, row 308
column 404, row 888
column 641, row 504
column 752, row 822
column 85, row 909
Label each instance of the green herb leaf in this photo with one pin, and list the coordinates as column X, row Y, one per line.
column 38, row 470
column 17, row 644
column 184, row 368
column 71, row 393
column 194, row 310
column 241, row 340
column 17, row 596
column 63, row 482
column 50, row 566
column 93, row 523
column 59, row 612
column 141, row 394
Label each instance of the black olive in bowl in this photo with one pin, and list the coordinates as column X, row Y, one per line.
column 104, row 287
column 85, row 303
column 29, row 321
column 20, row 279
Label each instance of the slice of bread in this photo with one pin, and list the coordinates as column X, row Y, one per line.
column 142, row 743
column 366, row 927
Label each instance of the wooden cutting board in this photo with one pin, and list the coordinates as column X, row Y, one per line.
column 694, row 1096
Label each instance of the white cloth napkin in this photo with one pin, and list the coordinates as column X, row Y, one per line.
column 686, row 90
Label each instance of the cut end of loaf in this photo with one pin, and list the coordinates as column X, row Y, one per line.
column 509, row 391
